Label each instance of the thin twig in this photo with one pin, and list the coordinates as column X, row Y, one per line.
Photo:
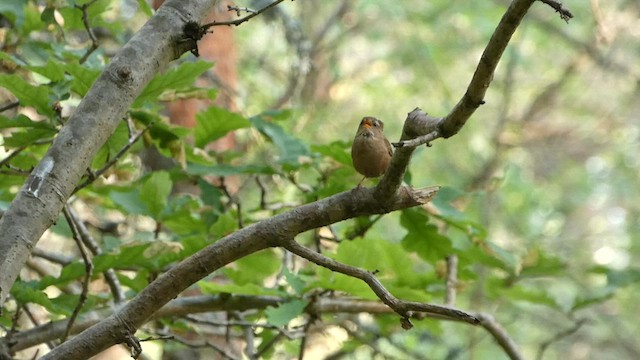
column 424, row 139
column 88, row 240
column 403, row 308
column 88, row 267
column 557, row 6
column 241, row 20
column 9, row 106
column 87, row 26
column 125, row 148
column 452, row 280
column 500, row 336
column 559, row 336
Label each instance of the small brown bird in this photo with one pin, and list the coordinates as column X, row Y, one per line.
column 371, row 151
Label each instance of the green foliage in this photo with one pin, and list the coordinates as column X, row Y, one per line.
column 215, row 123
column 286, row 312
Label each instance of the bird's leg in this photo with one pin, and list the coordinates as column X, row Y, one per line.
column 360, row 183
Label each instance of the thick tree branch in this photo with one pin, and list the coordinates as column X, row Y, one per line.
column 38, row 204
column 267, row 233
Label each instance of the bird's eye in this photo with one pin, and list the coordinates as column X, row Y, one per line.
column 376, row 123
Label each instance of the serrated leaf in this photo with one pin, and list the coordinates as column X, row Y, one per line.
column 424, row 238
column 295, row 281
column 286, row 312
column 179, row 77
column 155, row 191
column 215, row 123
column 27, row 94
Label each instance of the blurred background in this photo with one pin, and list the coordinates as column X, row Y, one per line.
column 541, row 187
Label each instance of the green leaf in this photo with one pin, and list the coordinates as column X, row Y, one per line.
column 177, row 78
column 538, row 263
column 293, row 152
column 536, row 296
column 593, row 298
column 25, row 293
column 29, row 95
column 52, row 70
column 337, row 150
column 286, row 312
column 129, row 201
column 69, row 272
column 22, row 121
column 146, row 9
column 83, row 78
column 424, row 238
column 114, row 144
column 295, row 281
column 395, row 269
column 155, row 191
column 253, row 268
column 27, row 137
column 127, row 256
column 215, row 123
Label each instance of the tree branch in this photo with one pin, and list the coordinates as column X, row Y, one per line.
column 403, row 308
column 252, row 14
column 500, row 336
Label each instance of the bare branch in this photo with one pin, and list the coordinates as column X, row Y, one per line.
column 237, row 22
column 96, row 174
column 88, row 268
column 557, row 6
column 500, row 336
column 452, row 280
column 90, row 242
column 403, row 308
column 559, row 336
column 474, row 97
column 87, row 26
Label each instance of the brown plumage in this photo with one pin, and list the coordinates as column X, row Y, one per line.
column 371, row 151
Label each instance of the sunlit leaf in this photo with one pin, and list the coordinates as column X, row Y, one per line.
column 155, row 192
column 215, row 123
column 286, row 312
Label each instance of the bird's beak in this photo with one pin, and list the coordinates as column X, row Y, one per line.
column 367, row 124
